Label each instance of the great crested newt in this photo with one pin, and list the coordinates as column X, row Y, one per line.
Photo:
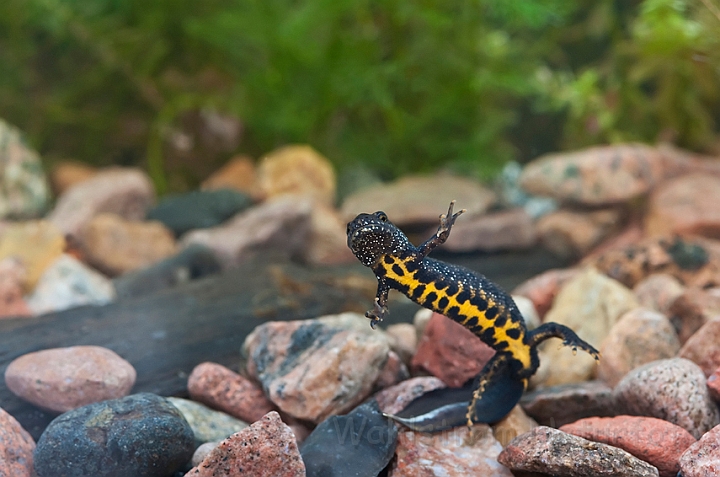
column 466, row 297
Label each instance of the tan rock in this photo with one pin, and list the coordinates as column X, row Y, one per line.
column 658, row 291
column 703, row 347
column 37, row 244
column 126, row 192
column 417, row 200
column 513, row 425
column 452, row 454
column 297, row 170
column 691, row 310
column 403, row 340
column 327, row 241
column 69, row 173
column 573, row 233
column 713, row 385
column 590, row 304
column 238, row 174
column 685, row 205
column 62, row 379
column 542, row 289
column 116, row 246
column 595, row 176
column 393, row 372
column 640, row 336
column 505, row 230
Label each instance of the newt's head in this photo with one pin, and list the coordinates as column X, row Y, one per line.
column 370, row 236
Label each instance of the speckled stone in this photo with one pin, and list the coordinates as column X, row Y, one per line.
column 558, row 405
column 16, row 448
column 62, row 379
column 141, row 435
column 702, row 459
column 670, row 389
column 550, row 451
column 456, row 453
column 543, row 288
column 358, row 444
column 640, row 336
column 658, row 291
column 221, row 388
column 208, row 425
column 265, row 449
column 312, row 370
column 655, row 441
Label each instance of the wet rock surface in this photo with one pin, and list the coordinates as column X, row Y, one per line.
column 652, row 440
column 358, row 444
column 62, row 379
column 669, row 389
column 139, row 435
column 265, row 449
column 550, row 451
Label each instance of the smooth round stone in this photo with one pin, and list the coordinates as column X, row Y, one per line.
column 141, row 435
column 61, row 379
column 207, row 424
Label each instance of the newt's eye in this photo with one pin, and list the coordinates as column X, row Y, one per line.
column 382, row 217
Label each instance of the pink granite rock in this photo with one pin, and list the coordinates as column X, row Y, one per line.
column 395, row 398
column 685, row 205
column 449, row 454
column 512, row 229
column 702, row 459
column 62, row 379
column 655, row 441
column 693, row 308
column 327, row 239
column 393, row 372
column 542, row 289
column 279, row 226
column 598, row 175
column 550, row 451
column 670, row 389
column 403, row 340
column 640, row 336
column 123, row 191
column 312, row 369
column 16, row 448
column 658, row 291
column 450, row 351
column 220, row 388
column 703, row 347
column 265, row 449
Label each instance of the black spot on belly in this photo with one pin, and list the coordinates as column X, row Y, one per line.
column 418, row 291
column 500, row 320
column 388, row 259
column 402, row 288
column 398, row 271
column 443, row 303
column 463, row 297
column 501, row 345
column 481, row 303
column 412, row 265
column 491, row 313
column 452, row 289
column 441, row 284
column 513, row 333
column 430, row 299
column 453, row 312
column 471, row 323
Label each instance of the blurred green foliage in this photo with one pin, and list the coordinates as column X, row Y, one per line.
column 395, row 85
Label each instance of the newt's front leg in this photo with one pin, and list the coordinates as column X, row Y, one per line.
column 443, row 231
column 380, row 310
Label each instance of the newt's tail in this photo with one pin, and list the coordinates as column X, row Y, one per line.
column 446, row 408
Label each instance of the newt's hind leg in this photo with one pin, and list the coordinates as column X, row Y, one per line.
column 497, row 390
column 556, row 330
